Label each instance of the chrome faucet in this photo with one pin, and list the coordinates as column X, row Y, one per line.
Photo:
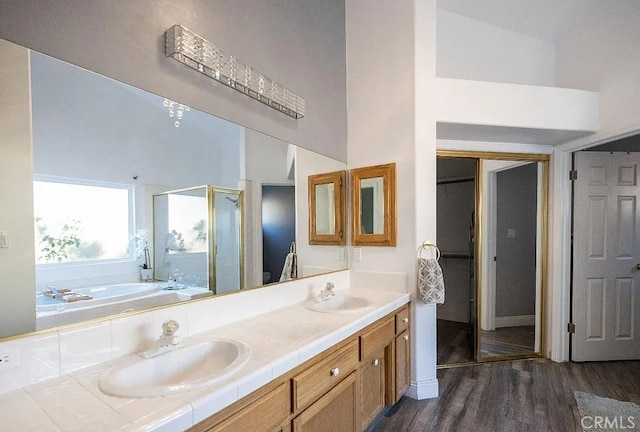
column 168, row 341
column 327, row 292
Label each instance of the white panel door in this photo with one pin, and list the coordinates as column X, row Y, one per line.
column 606, row 254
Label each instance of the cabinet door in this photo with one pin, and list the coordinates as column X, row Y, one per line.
column 372, row 387
column 286, row 428
column 336, row 411
column 264, row 415
column 403, row 363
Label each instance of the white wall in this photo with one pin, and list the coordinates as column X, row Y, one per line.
column 299, row 43
column 384, row 105
column 90, row 127
column 16, row 190
column 264, row 161
column 602, row 55
column 472, row 49
column 514, row 105
column 313, row 259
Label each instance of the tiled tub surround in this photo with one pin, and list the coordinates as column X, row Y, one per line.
column 55, row 387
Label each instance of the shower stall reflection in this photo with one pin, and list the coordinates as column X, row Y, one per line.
column 198, row 238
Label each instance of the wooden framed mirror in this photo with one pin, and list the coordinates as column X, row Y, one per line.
column 373, row 205
column 327, row 208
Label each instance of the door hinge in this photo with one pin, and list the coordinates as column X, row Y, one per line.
column 573, row 175
column 571, row 327
column 340, row 182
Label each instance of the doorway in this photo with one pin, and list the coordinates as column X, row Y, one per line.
column 455, row 231
column 606, row 253
column 278, row 229
column 491, row 230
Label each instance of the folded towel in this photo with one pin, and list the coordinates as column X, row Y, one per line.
column 290, row 268
column 430, row 281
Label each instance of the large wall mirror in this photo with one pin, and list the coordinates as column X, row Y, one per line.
column 373, row 205
column 111, row 179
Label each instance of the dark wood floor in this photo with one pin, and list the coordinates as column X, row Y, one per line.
column 518, row 396
column 508, row 341
column 455, row 343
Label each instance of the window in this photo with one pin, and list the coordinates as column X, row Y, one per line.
column 77, row 220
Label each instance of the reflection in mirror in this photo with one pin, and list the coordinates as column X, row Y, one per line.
column 327, row 208
column 511, row 290
column 324, row 209
column 373, row 205
column 194, row 248
column 113, row 147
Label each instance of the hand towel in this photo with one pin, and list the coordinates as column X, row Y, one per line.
column 290, row 268
column 430, row 281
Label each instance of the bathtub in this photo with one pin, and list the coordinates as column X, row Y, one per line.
column 110, row 300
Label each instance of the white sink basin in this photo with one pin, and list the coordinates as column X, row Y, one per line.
column 339, row 303
column 186, row 368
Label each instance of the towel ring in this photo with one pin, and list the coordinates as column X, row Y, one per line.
column 428, row 245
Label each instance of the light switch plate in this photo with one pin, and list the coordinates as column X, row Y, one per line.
column 4, row 241
column 511, row 233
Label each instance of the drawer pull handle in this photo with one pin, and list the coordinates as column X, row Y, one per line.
column 406, row 337
column 335, row 372
column 376, row 362
column 405, row 320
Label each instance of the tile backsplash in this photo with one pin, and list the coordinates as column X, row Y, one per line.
column 48, row 355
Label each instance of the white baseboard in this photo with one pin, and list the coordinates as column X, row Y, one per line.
column 515, row 321
column 423, row 389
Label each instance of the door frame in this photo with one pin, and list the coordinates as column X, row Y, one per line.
column 481, row 270
column 560, row 272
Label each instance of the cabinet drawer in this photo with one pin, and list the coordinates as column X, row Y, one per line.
column 264, row 415
column 377, row 338
column 320, row 377
column 402, row 320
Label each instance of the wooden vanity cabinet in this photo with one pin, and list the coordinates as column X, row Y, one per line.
column 402, row 355
column 267, row 413
column 402, row 364
column 342, row 389
column 324, row 374
column 335, row 411
column 373, row 387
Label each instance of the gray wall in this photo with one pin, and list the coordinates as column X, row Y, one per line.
column 516, row 265
column 300, row 43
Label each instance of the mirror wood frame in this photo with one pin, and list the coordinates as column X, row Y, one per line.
column 338, row 179
column 388, row 174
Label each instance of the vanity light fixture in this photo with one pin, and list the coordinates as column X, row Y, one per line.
column 199, row 54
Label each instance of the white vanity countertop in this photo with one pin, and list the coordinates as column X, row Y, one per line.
column 279, row 340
